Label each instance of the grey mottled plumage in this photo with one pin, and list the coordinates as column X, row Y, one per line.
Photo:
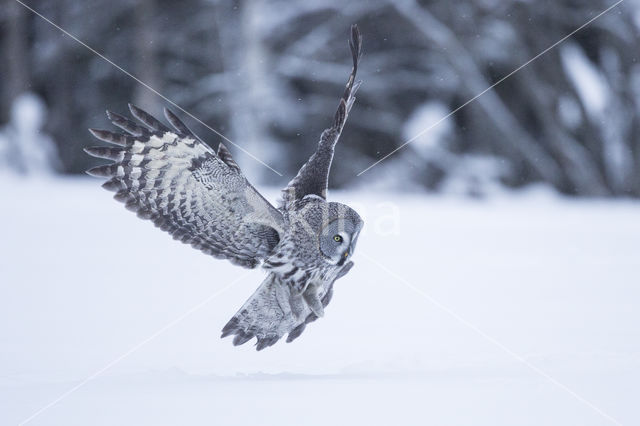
column 201, row 197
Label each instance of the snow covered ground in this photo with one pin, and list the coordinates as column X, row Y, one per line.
column 520, row 310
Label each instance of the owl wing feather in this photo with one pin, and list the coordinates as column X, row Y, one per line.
column 313, row 177
column 187, row 189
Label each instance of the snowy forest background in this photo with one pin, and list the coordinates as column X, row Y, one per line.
column 499, row 287
column 267, row 74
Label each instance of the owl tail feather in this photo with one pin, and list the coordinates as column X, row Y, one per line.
column 267, row 315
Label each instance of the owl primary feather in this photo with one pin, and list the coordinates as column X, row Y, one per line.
column 202, row 198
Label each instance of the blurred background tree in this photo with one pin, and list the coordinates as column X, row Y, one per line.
column 268, row 74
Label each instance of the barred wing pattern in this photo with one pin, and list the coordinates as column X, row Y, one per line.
column 313, row 177
column 187, row 189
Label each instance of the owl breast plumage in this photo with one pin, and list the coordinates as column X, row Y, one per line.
column 201, row 197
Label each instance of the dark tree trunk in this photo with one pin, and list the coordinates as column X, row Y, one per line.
column 145, row 56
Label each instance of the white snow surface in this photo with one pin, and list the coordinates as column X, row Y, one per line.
column 518, row 310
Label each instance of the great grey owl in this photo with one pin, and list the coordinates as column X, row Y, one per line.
column 201, row 197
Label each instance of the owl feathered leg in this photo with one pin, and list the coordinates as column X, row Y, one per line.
column 296, row 332
column 312, row 298
column 297, row 305
column 297, row 287
column 306, row 298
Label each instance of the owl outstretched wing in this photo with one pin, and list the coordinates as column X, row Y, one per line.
column 313, row 177
column 186, row 188
column 268, row 314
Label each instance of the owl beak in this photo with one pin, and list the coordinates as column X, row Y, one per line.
column 344, row 258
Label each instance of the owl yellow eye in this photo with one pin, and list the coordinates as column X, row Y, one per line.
column 337, row 238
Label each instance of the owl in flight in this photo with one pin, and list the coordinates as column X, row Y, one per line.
column 201, row 197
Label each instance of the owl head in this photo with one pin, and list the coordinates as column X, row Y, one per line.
column 333, row 228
